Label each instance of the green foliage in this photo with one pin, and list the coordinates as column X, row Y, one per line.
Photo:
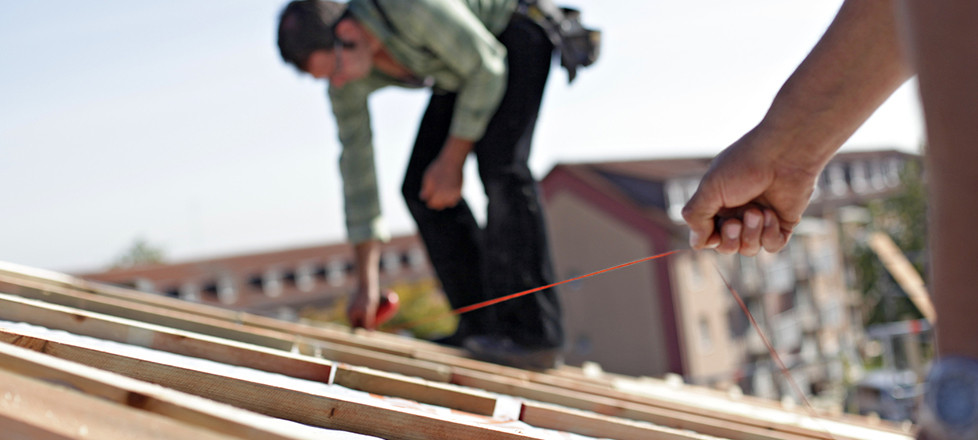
column 422, row 303
column 140, row 252
column 903, row 217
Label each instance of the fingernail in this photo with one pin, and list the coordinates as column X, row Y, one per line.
column 694, row 239
column 752, row 219
column 732, row 231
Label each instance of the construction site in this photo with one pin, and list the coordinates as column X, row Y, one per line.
column 189, row 191
column 218, row 348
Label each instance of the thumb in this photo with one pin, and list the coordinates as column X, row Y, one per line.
column 699, row 213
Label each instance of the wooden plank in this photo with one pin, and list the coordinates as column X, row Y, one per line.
column 246, row 355
column 93, row 324
column 127, row 331
column 703, row 424
column 614, row 403
column 154, row 315
column 462, row 399
column 904, row 273
column 184, row 408
column 339, row 413
column 342, row 351
column 588, row 423
column 32, row 409
column 131, row 304
column 41, row 279
column 463, row 370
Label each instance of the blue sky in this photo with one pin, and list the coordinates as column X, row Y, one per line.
column 176, row 122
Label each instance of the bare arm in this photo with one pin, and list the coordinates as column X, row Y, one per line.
column 441, row 186
column 760, row 185
column 944, row 36
column 363, row 305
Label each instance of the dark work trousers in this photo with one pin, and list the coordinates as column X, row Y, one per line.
column 511, row 254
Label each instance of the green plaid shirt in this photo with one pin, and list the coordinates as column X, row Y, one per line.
column 449, row 45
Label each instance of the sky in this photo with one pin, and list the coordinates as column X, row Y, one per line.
column 178, row 124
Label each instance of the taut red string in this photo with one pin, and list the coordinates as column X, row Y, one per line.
column 774, row 354
column 495, row 301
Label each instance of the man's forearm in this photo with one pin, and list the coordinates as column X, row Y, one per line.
column 858, row 63
column 457, row 149
column 944, row 35
column 368, row 261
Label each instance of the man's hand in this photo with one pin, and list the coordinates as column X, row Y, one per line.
column 751, row 198
column 441, row 186
column 362, row 310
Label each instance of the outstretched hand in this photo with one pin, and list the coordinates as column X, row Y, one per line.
column 750, row 198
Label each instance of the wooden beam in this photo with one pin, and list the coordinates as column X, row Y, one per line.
column 32, row 409
column 45, row 280
column 376, row 382
column 521, row 383
column 236, row 353
column 124, row 391
column 165, row 375
column 71, row 321
column 903, row 272
column 332, row 412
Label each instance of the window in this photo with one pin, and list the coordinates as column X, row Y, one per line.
column 832, row 313
column 678, row 192
column 190, row 292
column 892, row 169
column 416, row 258
column 824, row 260
column 390, row 261
column 336, row 272
column 877, row 175
column 780, row 273
column 272, row 282
column 858, row 177
column 145, row 285
column 305, row 277
column 226, row 292
column 836, row 177
column 706, row 337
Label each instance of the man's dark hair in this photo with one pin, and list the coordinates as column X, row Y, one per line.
column 308, row 25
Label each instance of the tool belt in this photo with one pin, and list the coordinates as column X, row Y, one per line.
column 578, row 46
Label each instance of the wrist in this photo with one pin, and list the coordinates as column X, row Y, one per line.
column 457, row 149
column 950, row 407
column 789, row 148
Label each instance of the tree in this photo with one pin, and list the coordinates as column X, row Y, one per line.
column 903, row 217
column 139, row 253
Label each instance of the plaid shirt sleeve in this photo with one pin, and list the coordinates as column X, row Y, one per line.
column 361, row 198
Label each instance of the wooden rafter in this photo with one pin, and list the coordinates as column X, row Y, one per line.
column 564, row 399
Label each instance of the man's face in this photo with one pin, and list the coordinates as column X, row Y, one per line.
column 328, row 65
column 350, row 58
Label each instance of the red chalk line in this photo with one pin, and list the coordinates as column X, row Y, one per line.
column 495, row 301
column 774, row 354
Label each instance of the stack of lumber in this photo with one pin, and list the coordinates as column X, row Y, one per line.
column 80, row 360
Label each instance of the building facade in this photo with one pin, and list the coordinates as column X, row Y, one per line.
column 671, row 315
column 276, row 283
column 677, row 314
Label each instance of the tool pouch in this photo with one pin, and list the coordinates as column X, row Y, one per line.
column 578, row 45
